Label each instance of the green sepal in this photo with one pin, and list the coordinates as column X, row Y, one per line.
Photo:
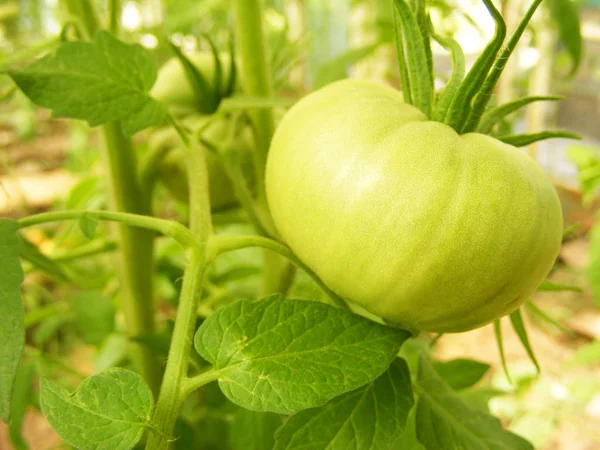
column 521, row 140
column 218, row 75
column 423, row 20
column 230, row 84
column 483, row 95
column 458, row 73
column 517, row 322
column 533, row 309
column 416, row 57
column 494, row 115
column 500, row 343
column 459, row 111
column 205, row 96
column 404, row 80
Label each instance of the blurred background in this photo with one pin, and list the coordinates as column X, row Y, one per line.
column 47, row 163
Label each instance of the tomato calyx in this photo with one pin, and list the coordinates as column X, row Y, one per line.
column 208, row 94
column 463, row 103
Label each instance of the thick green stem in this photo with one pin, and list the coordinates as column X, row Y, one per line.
column 136, row 251
column 84, row 11
column 136, row 270
column 255, row 75
column 256, row 78
column 172, row 391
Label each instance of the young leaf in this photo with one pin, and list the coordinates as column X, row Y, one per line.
column 517, row 322
column 284, row 356
column 495, row 115
column 94, row 316
column 372, row 417
column 416, row 57
column 22, row 398
column 100, row 81
column 252, row 430
column 88, row 223
column 461, row 373
column 107, row 411
column 444, row 421
column 12, row 328
column 566, row 16
column 31, row 253
column 521, row 140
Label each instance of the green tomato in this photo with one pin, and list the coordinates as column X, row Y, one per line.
column 425, row 228
column 173, row 169
column 173, row 88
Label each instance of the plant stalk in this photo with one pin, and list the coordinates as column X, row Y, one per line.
column 136, row 251
column 172, row 391
column 255, row 75
column 136, row 245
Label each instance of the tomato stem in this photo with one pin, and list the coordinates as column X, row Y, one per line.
column 171, row 393
column 135, row 244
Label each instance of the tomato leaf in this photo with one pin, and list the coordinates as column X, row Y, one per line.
column 22, row 398
column 461, row 373
column 517, row 322
column 521, row 140
column 283, row 356
column 113, row 77
column 566, row 16
column 31, row 253
column 88, row 223
column 495, row 115
column 371, row 417
column 94, row 316
column 12, row 328
column 252, row 430
column 444, row 421
column 107, row 411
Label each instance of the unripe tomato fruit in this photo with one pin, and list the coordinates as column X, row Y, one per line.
column 173, row 168
column 425, row 228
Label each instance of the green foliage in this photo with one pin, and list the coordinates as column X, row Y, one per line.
column 114, row 78
column 283, row 355
column 107, row 411
column 444, row 422
column 252, row 430
column 566, row 16
column 12, row 329
column 461, row 373
column 88, row 225
column 94, row 316
column 587, row 354
column 372, row 417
